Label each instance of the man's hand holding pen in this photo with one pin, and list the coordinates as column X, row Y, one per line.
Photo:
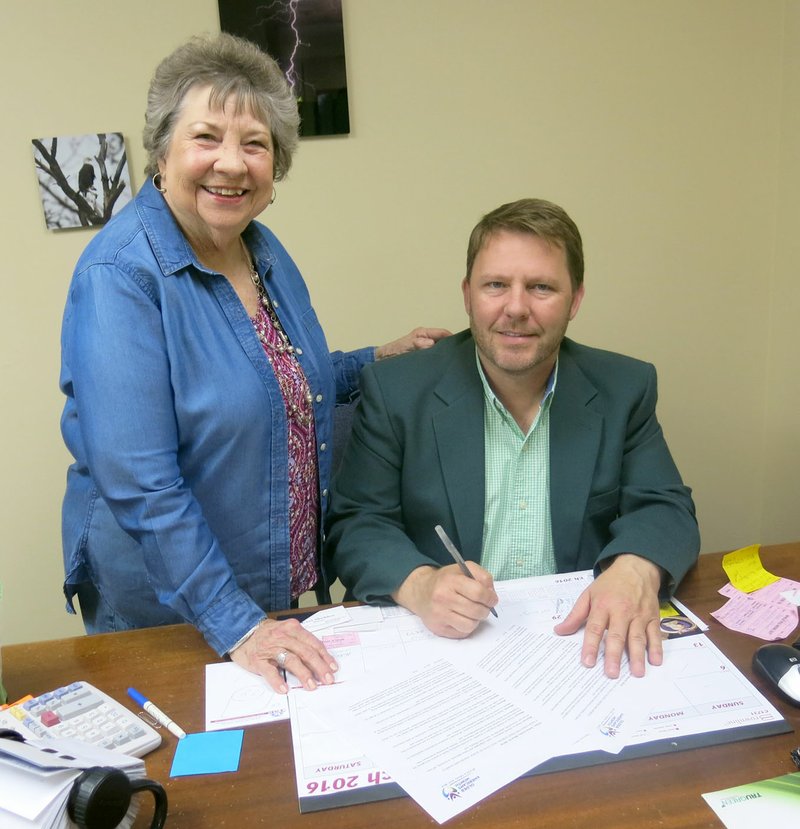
column 448, row 602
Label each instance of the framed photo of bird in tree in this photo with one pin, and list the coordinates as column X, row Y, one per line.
column 83, row 179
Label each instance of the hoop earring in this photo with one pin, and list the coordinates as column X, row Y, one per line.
column 157, row 183
column 274, row 195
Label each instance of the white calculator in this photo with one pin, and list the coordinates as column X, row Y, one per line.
column 82, row 712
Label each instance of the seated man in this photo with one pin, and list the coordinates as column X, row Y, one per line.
column 536, row 454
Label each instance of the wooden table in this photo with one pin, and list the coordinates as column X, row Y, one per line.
column 662, row 791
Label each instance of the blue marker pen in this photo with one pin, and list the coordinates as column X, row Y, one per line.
column 156, row 713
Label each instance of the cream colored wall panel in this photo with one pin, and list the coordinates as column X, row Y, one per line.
column 781, row 493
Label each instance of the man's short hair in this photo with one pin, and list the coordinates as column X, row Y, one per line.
column 536, row 217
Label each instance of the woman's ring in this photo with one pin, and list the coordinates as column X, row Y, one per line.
column 281, row 659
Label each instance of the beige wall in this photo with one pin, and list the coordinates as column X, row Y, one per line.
column 781, row 492
column 669, row 129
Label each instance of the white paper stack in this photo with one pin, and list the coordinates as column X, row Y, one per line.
column 36, row 778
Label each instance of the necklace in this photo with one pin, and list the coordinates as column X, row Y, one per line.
column 281, row 354
column 284, row 345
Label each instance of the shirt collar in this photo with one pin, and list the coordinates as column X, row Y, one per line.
column 489, row 394
column 171, row 247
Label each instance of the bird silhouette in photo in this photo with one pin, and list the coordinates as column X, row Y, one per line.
column 86, row 177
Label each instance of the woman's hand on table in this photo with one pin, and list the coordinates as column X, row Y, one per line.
column 276, row 645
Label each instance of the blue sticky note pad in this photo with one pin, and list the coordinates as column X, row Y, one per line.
column 210, row 752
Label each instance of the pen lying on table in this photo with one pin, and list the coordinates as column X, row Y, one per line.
column 156, row 713
column 457, row 557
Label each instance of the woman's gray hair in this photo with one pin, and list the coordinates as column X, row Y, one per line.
column 231, row 66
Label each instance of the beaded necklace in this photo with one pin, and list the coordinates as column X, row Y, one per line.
column 281, row 346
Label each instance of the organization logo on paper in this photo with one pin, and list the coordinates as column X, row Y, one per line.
column 612, row 725
column 454, row 789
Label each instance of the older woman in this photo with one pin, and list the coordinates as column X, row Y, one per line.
column 199, row 385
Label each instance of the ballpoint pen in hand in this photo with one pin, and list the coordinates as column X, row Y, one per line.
column 457, row 557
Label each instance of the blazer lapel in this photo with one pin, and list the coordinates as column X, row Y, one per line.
column 458, row 429
column 575, row 432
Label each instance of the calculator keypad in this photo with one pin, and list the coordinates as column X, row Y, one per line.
column 81, row 711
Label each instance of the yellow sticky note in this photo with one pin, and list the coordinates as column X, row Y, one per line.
column 745, row 570
column 667, row 609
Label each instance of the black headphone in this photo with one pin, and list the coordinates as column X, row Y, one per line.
column 101, row 796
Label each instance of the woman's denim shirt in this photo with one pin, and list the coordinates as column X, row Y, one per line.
column 176, row 506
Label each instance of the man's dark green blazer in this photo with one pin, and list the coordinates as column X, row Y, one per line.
column 416, row 459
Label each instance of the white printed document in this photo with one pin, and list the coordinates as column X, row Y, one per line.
column 235, row 697
column 451, row 721
column 447, row 736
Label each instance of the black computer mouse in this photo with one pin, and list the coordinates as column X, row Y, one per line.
column 780, row 665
